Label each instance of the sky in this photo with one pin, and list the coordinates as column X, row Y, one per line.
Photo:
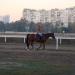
column 14, row 8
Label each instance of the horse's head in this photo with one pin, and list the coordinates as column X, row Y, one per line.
column 51, row 35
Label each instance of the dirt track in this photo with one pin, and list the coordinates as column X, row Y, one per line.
column 12, row 53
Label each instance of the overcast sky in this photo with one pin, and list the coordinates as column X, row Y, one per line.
column 14, row 8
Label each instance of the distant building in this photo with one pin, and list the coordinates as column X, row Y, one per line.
column 36, row 15
column 64, row 17
column 53, row 16
column 5, row 19
column 71, row 14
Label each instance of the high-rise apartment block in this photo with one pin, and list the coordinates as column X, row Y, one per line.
column 36, row 15
column 63, row 16
column 5, row 19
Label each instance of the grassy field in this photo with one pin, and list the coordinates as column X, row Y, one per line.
column 35, row 68
column 36, row 62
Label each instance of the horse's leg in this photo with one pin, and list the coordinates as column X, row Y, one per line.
column 32, row 45
column 44, row 45
column 39, row 46
column 27, row 43
column 27, row 46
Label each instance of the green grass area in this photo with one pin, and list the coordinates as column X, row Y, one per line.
column 36, row 68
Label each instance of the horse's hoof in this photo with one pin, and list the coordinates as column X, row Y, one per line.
column 37, row 49
column 27, row 49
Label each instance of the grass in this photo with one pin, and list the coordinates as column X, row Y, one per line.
column 36, row 68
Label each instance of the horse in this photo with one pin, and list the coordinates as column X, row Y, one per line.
column 31, row 38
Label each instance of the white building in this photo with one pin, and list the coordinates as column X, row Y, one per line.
column 64, row 17
column 5, row 19
column 53, row 16
column 48, row 16
column 27, row 14
column 67, row 15
column 71, row 14
column 36, row 15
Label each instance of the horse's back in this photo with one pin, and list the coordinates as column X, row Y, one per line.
column 31, row 37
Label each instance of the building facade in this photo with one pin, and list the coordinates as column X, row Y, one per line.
column 5, row 19
column 53, row 16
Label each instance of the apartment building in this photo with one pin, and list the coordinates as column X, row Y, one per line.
column 36, row 15
column 63, row 16
column 5, row 19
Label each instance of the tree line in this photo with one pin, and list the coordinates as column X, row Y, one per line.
column 25, row 26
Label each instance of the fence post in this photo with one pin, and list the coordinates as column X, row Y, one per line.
column 56, row 43
column 24, row 39
column 60, row 41
column 5, row 40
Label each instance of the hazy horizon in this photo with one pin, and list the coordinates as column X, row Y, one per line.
column 14, row 8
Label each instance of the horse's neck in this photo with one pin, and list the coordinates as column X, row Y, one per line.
column 48, row 37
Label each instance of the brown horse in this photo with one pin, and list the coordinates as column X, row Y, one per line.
column 31, row 38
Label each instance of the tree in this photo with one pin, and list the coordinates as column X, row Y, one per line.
column 40, row 27
column 2, row 27
column 32, row 27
